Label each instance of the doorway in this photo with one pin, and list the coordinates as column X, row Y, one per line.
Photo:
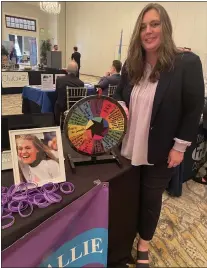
column 26, row 49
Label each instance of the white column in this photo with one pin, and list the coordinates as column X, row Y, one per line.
column 61, row 32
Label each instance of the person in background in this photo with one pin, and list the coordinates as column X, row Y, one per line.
column 163, row 89
column 24, row 57
column 70, row 80
column 13, row 54
column 55, row 48
column 50, row 139
column 76, row 57
column 112, row 77
column 4, row 56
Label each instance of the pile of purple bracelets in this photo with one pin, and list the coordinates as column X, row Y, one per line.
column 24, row 196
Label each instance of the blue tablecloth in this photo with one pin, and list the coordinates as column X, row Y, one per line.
column 46, row 99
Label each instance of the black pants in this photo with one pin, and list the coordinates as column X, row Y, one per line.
column 153, row 182
column 78, row 74
column 144, row 205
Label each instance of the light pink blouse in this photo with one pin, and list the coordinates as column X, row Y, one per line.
column 135, row 142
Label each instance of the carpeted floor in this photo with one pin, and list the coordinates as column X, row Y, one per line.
column 181, row 236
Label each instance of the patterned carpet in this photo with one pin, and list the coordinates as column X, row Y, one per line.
column 181, row 236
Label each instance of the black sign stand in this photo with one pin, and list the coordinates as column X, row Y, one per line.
column 93, row 160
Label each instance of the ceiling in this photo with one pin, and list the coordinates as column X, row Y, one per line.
column 34, row 3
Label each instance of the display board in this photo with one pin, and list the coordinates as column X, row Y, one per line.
column 46, row 81
column 95, row 125
column 14, row 79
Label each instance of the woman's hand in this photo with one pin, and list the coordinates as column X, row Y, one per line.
column 175, row 158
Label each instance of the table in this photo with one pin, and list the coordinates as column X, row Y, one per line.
column 123, row 205
column 194, row 158
column 34, row 100
column 34, row 79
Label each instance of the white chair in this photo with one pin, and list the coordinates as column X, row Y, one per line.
column 73, row 94
column 111, row 90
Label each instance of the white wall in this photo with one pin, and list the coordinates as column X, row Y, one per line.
column 61, row 32
column 95, row 28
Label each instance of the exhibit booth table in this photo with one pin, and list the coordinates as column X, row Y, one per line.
column 35, row 100
column 11, row 78
column 123, row 205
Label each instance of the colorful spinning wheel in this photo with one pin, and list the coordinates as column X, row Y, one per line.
column 95, row 125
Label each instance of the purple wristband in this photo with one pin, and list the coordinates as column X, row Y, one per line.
column 21, row 191
column 53, row 197
column 19, row 196
column 42, row 202
column 6, row 207
column 50, row 187
column 22, row 187
column 21, row 204
column 23, row 196
column 31, row 185
column 2, row 212
column 13, row 206
column 4, row 189
column 4, row 199
column 69, row 185
column 9, row 224
column 11, row 190
column 33, row 192
column 31, row 199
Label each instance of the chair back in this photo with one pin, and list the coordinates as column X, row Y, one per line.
column 111, row 90
column 75, row 94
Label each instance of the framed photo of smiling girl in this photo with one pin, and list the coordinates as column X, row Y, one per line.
column 37, row 155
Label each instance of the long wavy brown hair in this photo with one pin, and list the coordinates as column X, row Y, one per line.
column 42, row 148
column 135, row 62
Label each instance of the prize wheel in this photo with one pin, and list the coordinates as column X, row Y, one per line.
column 95, row 125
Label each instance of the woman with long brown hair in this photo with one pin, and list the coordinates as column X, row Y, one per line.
column 37, row 163
column 163, row 89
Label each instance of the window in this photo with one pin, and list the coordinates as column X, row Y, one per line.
column 20, row 23
column 26, row 48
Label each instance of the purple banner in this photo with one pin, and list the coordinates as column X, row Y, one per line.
column 76, row 236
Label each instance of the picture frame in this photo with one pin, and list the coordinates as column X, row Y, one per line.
column 20, row 23
column 37, row 155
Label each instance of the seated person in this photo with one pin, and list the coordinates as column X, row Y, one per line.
column 111, row 78
column 69, row 80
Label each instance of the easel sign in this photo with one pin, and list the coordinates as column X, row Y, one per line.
column 15, row 79
column 46, row 81
column 58, row 75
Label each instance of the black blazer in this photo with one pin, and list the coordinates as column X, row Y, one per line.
column 105, row 81
column 177, row 106
column 69, row 80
